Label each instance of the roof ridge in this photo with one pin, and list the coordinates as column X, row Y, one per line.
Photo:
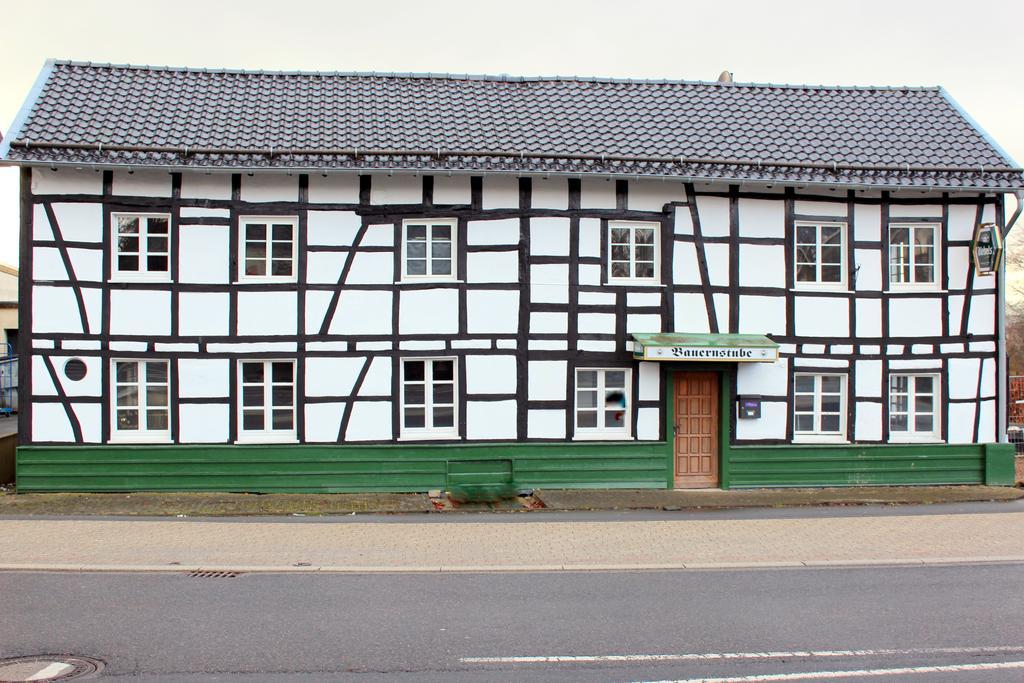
column 491, row 77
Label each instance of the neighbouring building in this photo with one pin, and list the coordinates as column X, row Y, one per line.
column 257, row 281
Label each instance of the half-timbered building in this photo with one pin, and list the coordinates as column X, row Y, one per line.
column 260, row 281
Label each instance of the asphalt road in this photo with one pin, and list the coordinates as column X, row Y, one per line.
column 458, row 627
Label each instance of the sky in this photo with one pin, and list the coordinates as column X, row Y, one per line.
column 969, row 48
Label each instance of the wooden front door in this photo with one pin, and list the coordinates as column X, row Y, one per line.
column 696, row 430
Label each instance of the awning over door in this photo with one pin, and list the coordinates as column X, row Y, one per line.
column 728, row 348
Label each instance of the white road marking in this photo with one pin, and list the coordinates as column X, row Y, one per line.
column 705, row 656
column 855, row 673
column 52, row 671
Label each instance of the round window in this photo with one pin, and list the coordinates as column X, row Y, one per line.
column 75, row 369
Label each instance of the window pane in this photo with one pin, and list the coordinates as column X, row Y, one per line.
column 281, row 396
column 414, row 418
column 156, row 372
column 156, row 264
column 417, row 232
column 615, row 379
column 645, row 270
column 831, row 274
column 830, row 423
column 282, row 268
column 416, row 267
column 441, row 267
column 645, row 254
column 255, row 267
column 415, row 394
column 413, row 370
column 156, row 420
column 830, row 384
column 923, row 423
column 156, row 396
column 614, row 419
column 805, row 273
column 282, row 232
column 620, row 269
column 252, row 396
column 586, row 378
column 923, row 404
column 806, row 234
column 586, row 399
column 924, row 274
column 252, row 420
column 807, row 254
column 441, row 250
column 804, row 383
column 127, row 395
column 444, row 416
column 924, row 237
column 444, row 393
column 586, row 418
column 252, row 372
column 255, row 231
column 831, row 234
column 157, row 226
column 282, row 419
column 127, row 263
column 281, row 250
column 620, row 252
column 127, row 372
column 897, row 423
column 441, row 232
column 899, row 236
column 924, row 384
column 157, row 244
column 803, row 403
column 416, row 249
column 620, row 235
column 899, row 383
column 127, row 225
column 644, row 236
column 899, row 403
column 830, row 403
column 444, row 370
column 282, row 372
column 832, row 255
column 923, row 255
column 255, row 250
column 804, row 423
column 127, row 419
column 128, row 244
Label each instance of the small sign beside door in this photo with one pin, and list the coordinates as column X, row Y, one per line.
column 987, row 248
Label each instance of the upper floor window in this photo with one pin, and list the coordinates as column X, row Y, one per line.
column 268, row 400
column 268, row 248
column 912, row 254
column 913, row 408
column 141, row 400
column 820, row 255
column 142, row 244
column 602, row 403
column 428, row 249
column 428, row 398
column 633, row 251
column 819, row 405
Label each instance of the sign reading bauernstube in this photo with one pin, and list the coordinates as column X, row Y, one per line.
column 733, row 354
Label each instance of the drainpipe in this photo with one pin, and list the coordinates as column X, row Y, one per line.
column 1001, row 360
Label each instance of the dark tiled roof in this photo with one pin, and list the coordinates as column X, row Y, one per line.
column 140, row 116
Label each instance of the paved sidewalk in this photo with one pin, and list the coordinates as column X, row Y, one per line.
column 471, row 546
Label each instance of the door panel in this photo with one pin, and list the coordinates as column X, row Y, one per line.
column 696, row 433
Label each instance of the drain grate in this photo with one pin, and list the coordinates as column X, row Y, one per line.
column 47, row 668
column 201, row 574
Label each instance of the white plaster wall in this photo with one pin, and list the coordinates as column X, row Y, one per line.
column 762, row 218
column 634, row 299
column 713, row 213
column 90, row 419
column 771, row 425
column 370, row 421
column 762, row 314
column 204, row 423
column 987, row 422
column 500, row 192
column 982, row 315
column 50, row 423
column 377, row 381
column 988, row 377
column 492, row 311
column 358, row 312
column 491, row 374
column 78, row 222
column 493, row 232
column 41, row 224
column 380, row 235
column 204, row 254
column 429, row 311
column 546, row 322
column 332, row 228
column 550, row 193
column 47, row 265
column 492, row 266
column 763, row 379
column 653, row 195
column 545, row 424
column 717, row 256
column 203, row 314
column 203, row 186
column 691, row 314
column 721, row 310
column 915, row 317
column 334, row 188
column 816, row 208
column 546, row 380
column 596, row 323
column 371, row 268
column 961, row 422
column 88, row 264
column 491, row 420
column 685, row 268
column 590, row 237
column 963, row 377
column 454, row 189
column 42, row 385
column 762, row 265
column 869, row 273
column 324, row 267
column 649, row 379
column 643, row 322
column 141, row 183
column 821, row 316
column 332, row 375
column 597, row 193
column 647, row 423
column 549, row 283
column 589, row 274
column 204, row 377
column 869, row 317
column 66, row 181
column 323, row 420
column 270, row 187
column 961, row 221
column 867, row 222
column 396, row 189
column 267, row 313
column 868, row 382
column 140, row 312
column 549, row 236
column 868, row 421
column 90, row 385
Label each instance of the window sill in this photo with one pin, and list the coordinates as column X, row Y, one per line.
column 927, row 439
column 254, row 438
column 835, row 439
column 139, row 439
column 431, row 436
column 140, row 278
column 279, row 280
column 610, row 436
column 428, row 281
column 823, row 288
column 633, row 283
column 915, row 290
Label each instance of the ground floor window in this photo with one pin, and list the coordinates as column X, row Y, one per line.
column 267, row 407
column 141, row 395
column 428, row 398
column 819, row 405
column 913, row 407
column 602, row 403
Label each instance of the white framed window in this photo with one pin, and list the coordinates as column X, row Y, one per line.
column 820, row 257
column 819, row 406
column 267, row 248
column 266, row 411
column 912, row 251
column 913, row 407
column 633, row 252
column 429, row 249
column 142, row 247
column 141, row 400
column 429, row 405
column 603, row 403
